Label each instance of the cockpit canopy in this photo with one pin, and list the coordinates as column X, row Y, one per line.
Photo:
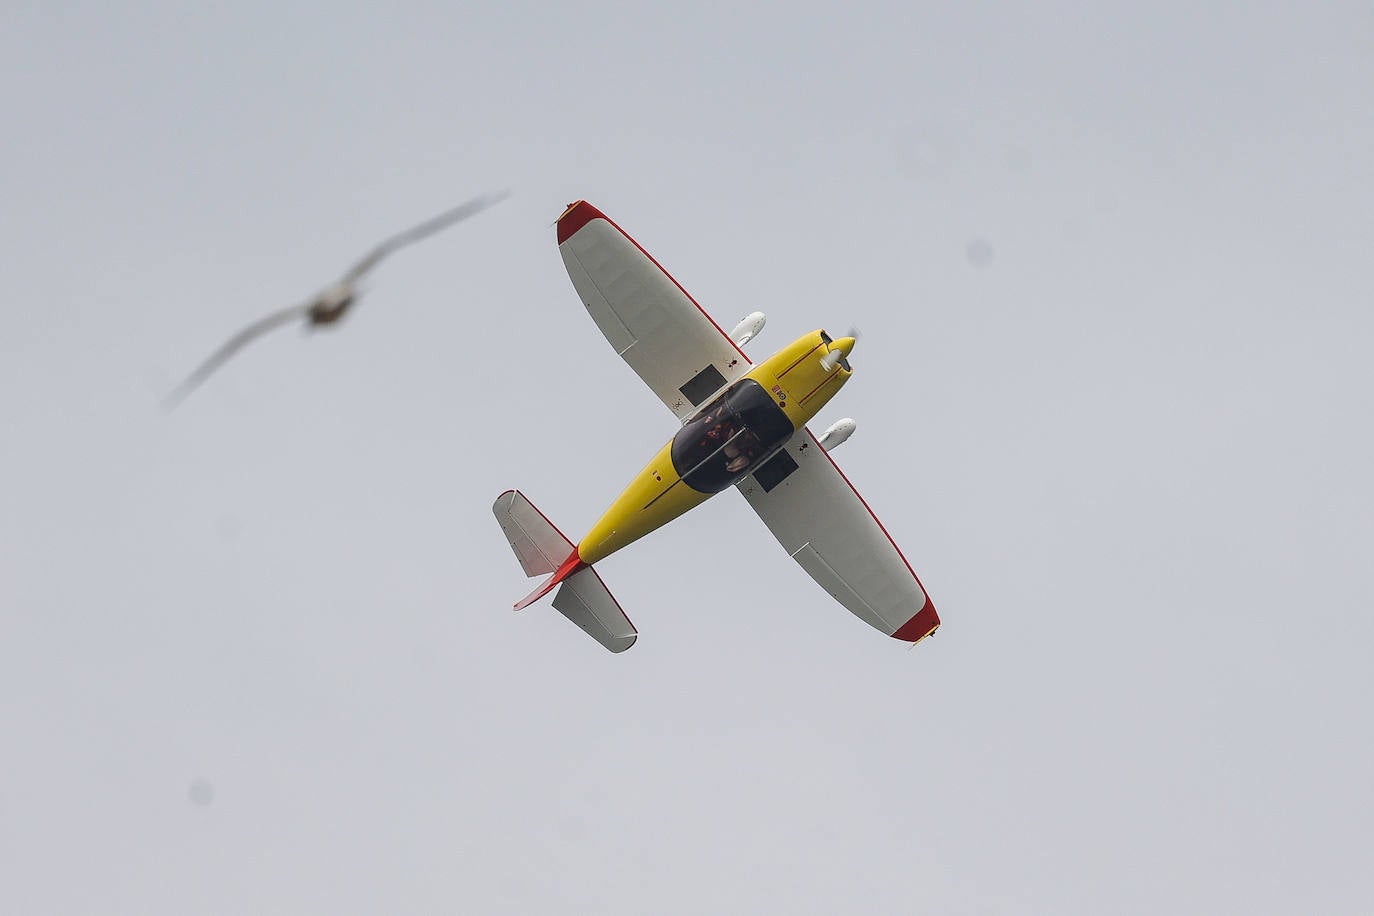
column 729, row 437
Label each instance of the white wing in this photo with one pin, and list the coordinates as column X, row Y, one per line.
column 669, row 340
column 822, row 522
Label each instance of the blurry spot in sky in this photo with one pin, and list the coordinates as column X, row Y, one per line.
column 980, row 253
column 201, row 793
column 922, row 156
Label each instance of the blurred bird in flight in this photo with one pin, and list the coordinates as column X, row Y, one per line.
column 334, row 300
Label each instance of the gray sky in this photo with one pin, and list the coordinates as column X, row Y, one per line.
column 1112, row 268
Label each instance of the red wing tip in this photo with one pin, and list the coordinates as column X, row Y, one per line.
column 920, row 626
column 578, row 214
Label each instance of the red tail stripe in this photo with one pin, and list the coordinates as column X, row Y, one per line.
column 571, row 565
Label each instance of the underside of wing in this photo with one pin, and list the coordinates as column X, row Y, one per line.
column 822, row 522
column 667, row 339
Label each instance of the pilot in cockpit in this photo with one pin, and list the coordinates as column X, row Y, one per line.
column 740, row 451
column 720, row 432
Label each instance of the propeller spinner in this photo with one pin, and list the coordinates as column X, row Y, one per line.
column 837, row 352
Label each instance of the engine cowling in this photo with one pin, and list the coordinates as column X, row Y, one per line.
column 838, row 432
column 748, row 328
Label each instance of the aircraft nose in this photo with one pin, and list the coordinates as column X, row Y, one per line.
column 845, row 345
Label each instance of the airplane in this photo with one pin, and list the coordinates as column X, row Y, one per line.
column 743, row 426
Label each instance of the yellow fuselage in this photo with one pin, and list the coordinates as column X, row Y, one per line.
column 799, row 383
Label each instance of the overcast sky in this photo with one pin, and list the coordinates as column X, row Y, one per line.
column 1112, row 268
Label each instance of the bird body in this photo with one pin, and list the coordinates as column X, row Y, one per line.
column 332, row 302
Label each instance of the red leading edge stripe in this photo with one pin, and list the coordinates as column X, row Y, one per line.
column 580, row 213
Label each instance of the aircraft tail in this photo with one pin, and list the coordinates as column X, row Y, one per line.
column 543, row 551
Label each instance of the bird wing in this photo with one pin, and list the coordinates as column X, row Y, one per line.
column 427, row 228
column 232, row 346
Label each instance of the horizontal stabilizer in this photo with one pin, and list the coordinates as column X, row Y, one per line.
column 585, row 600
column 539, row 546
